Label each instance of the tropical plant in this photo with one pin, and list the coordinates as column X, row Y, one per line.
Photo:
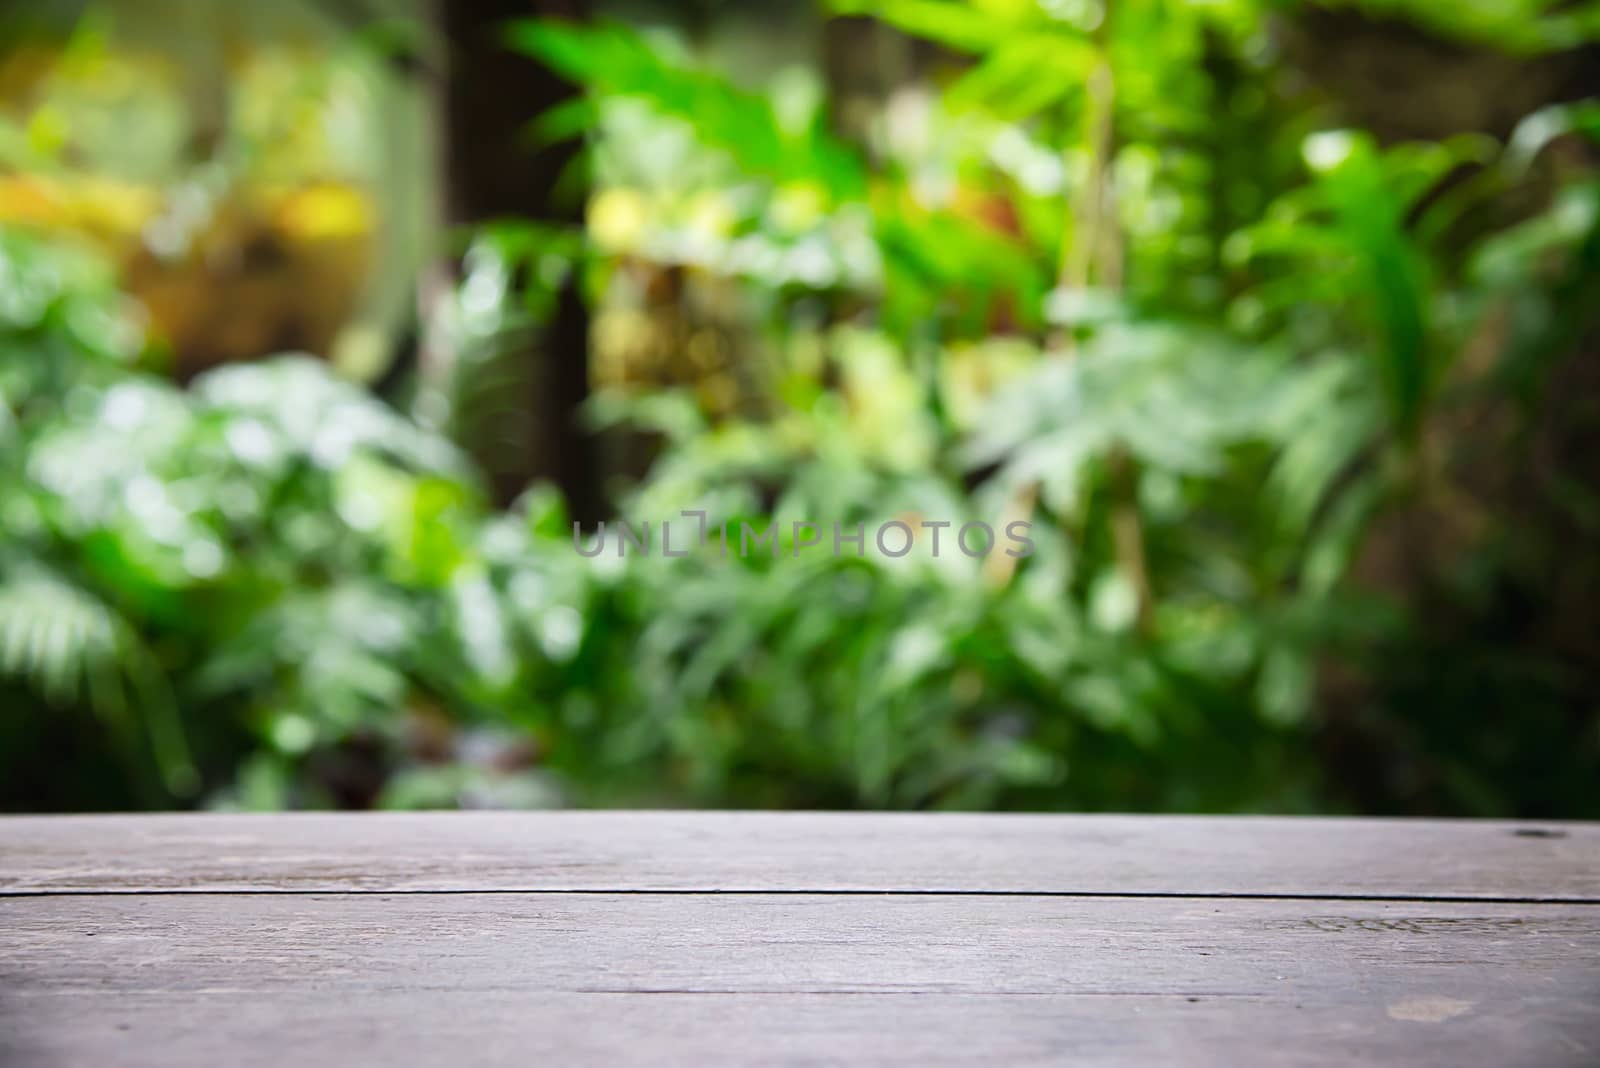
column 1128, row 290
column 272, row 554
column 1297, row 414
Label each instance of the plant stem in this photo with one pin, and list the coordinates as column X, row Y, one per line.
column 1099, row 259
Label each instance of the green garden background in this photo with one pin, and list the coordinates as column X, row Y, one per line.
column 322, row 323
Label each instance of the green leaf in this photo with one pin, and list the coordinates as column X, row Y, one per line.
column 955, row 25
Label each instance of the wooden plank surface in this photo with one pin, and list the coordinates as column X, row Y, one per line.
column 493, row 979
column 803, row 943
column 590, row 851
column 533, row 1031
column 696, row 938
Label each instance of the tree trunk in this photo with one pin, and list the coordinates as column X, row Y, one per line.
column 491, row 172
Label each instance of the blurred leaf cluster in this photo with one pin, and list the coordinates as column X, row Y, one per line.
column 225, row 157
column 1281, row 396
column 269, row 565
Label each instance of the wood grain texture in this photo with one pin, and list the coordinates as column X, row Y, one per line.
column 476, row 1030
column 740, row 938
column 496, row 979
column 596, row 851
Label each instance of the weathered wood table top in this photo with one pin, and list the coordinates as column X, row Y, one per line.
column 694, row 938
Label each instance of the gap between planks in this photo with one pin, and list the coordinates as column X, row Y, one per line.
column 1130, row 895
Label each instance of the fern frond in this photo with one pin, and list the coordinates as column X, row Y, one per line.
column 69, row 646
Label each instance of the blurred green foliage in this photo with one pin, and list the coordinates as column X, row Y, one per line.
column 272, row 560
column 1296, row 414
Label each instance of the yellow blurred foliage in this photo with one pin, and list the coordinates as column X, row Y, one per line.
column 270, row 270
column 101, row 208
